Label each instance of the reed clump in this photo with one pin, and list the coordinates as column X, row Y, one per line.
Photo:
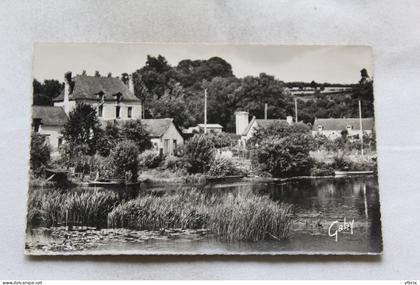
column 49, row 208
column 241, row 215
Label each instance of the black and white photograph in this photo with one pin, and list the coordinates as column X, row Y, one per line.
column 202, row 149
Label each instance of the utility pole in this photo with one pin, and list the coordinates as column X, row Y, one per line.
column 296, row 111
column 205, row 110
column 361, row 127
column 265, row 111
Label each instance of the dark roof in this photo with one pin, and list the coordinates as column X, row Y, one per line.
column 49, row 116
column 157, row 127
column 88, row 87
column 341, row 124
column 264, row 124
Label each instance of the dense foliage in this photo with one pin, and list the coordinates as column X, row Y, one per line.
column 40, row 153
column 199, row 153
column 282, row 150
column 82, row 128
column 135, row 132
column 44, row 92
column 124, row 158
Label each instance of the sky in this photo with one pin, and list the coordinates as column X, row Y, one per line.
column 334, row 64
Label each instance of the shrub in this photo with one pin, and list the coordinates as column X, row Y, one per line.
column 40, row 153
column 198, row 153
column 134, row 131
column 222, row 166
column 284, row 157
column 109, row 139
column 150, row 159
column 173, row 163
column 125, row 160
column 321, row 169
column 221, row 140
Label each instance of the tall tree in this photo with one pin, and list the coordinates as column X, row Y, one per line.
column 82, row 128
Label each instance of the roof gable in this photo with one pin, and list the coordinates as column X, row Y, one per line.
column 49, row 116
column 157, row 127
column 341, row 124
column 261, row 123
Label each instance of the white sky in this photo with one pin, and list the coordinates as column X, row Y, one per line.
column 335, row 64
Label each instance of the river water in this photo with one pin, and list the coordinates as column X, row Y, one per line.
column 321, row 205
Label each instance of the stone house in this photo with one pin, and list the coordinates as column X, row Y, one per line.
column 110, row 96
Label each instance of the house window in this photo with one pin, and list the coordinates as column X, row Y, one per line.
column 174, row 145
column 129, row 111
column 36, row 124
column 100, row 110
column 60, row 141
column 117, row 112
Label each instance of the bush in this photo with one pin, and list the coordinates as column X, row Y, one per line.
column 173, row 163
column 125, row 160
column 221, row 140
column 222, row 166
column 150, row 159
column 198, row 153
column 321, row 169
column 135, row 132
column 285, row 157
column 40, row 153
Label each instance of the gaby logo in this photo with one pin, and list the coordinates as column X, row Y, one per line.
column 336, row 228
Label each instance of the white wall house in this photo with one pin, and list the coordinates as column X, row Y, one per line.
column 247, row 129
column 165, row 136
column 333, row 128
column 49, row 121
column 110, row 96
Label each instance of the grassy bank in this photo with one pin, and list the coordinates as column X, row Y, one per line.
column 232, row 216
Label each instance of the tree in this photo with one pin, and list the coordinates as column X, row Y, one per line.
column 135, row 132
column 198, row 154
column 124, row 158
column 284, row 157
column 40, row 153
column 43, row 93
column 109, row 139
column 83, row 128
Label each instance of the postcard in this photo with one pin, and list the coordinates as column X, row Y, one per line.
column 202, row 149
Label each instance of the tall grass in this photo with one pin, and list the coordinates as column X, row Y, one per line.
column 55, row 208
column 234, row 216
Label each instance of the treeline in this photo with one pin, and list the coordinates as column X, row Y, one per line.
column 178, row 92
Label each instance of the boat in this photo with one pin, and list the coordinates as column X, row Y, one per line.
column 340, row 173
column 112, row 183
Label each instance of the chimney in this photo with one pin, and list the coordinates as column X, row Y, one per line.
column 67, row 86
column 241, row 122
column 130, row 84
column 289, row 120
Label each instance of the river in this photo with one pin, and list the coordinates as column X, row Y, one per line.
column 321, row 205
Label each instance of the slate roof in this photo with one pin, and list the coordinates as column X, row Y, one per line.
column 341, row 124
column 157, row 127
column 49, row 116
column 88, row 87
column 262, row 124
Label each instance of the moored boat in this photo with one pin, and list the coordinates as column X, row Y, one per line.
column 341, row 173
